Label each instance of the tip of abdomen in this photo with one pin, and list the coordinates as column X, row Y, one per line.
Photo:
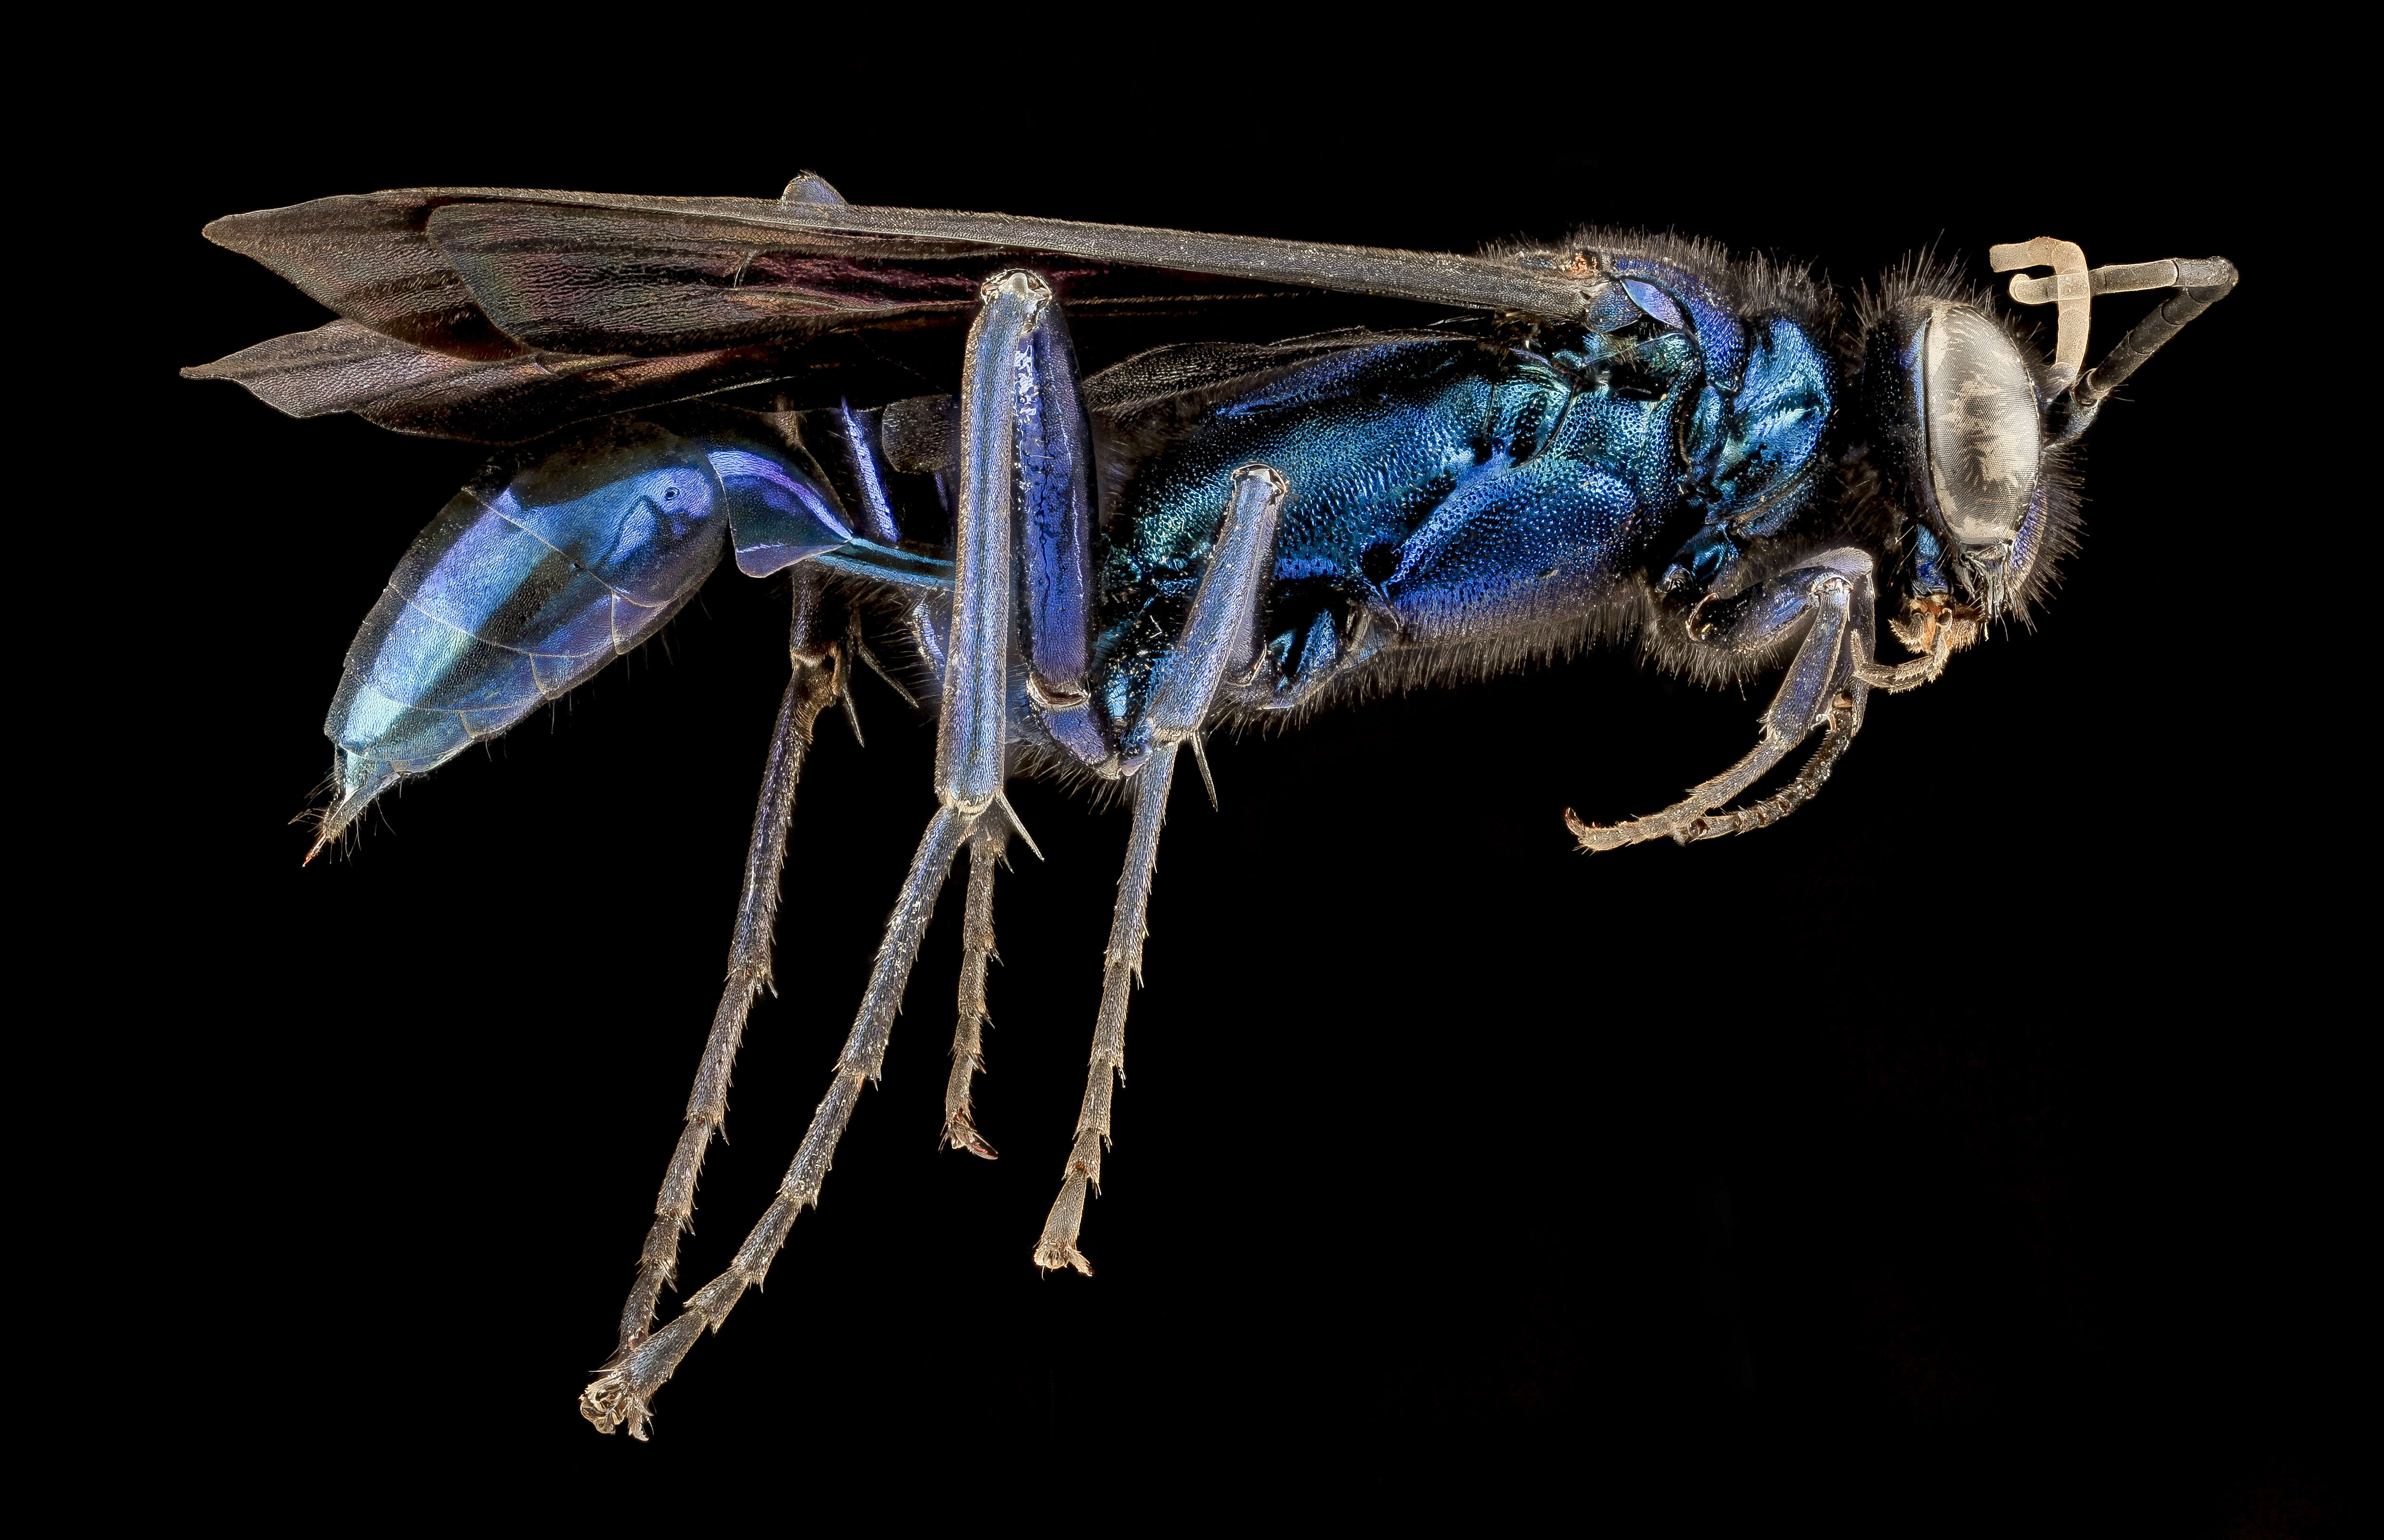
column 355, row 781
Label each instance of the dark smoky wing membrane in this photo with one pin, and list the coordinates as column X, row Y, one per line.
column 499, row 315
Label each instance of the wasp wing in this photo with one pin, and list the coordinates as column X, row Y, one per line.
column 1432, row 278
column 505, row 312
column 346, row 366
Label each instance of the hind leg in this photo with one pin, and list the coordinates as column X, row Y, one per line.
column 976, row 950
column 1049, row 450
column 971, row 751
column 820, row 677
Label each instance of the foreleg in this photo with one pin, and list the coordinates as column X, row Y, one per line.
column 1937, row 629
column 1789, row 798
column 1832, row 598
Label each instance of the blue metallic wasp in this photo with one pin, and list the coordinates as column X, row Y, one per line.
column 1628, row 437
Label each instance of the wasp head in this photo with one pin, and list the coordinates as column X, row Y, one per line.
column 1957, row 419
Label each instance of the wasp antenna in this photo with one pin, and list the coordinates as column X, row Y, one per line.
column 1012, row 814
column 1201, row 757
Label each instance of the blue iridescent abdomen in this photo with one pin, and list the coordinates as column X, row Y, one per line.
column 531, row 581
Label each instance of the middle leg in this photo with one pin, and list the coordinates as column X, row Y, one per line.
column 1217, row 636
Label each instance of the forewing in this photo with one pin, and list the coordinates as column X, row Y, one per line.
column 378, row 258
column 575, row 279
column 368, row 257
column 573, row 305
column 1432, row 278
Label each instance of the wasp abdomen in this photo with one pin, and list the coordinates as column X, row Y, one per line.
column 532, row 579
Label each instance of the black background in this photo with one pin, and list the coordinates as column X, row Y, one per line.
column 1969, row 1148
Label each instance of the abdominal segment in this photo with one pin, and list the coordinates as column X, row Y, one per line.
column 520, row 590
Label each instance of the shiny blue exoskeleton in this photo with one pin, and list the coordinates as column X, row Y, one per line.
column 530, row 581
column 1449, row 495
column 1632, row 438
column 1445, row 494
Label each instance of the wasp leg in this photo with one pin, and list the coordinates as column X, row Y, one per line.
column 820, row 677
column 1832, row 597
column 1217, row 637
column 1941, row 629
column 971, row 744
column 977, row 950
column 624, row 1390
column 861, row 452
column 1055, row 530
column 1049, row 469
column 1788, row 799
column 1050, row 452
column 1120, row 964
column 973, row 737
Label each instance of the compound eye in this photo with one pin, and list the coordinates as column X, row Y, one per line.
column 1981, row 433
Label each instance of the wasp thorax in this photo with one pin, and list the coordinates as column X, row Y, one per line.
column 1953, row 403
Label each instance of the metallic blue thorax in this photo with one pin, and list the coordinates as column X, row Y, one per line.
column 1463, row 491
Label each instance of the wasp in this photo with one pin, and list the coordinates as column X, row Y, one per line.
column 1085, row 574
